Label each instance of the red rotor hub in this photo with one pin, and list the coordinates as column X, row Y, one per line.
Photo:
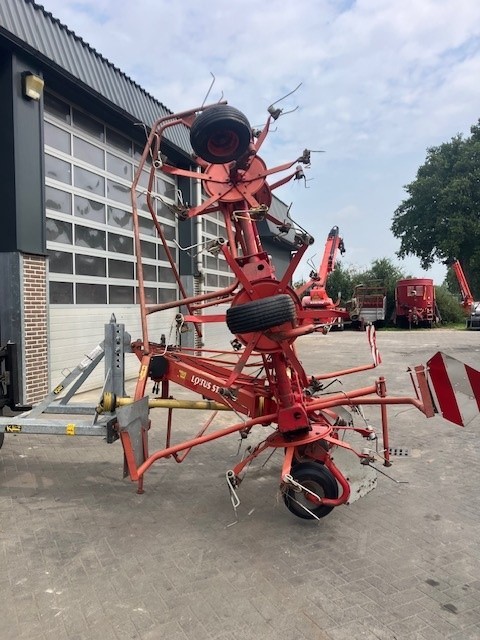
column 230, row 185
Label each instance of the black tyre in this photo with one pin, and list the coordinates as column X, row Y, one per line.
column 259, row 315
column 2, row 437
column 318, row 479
column 220, row 134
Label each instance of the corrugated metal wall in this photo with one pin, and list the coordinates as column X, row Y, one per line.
column 28, row 25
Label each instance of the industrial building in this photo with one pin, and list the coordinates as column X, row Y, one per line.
column 73, row 130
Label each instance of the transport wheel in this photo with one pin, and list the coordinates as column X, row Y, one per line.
column 220, row 134
column 317, row 478
column 262, row 314
column 2, row 438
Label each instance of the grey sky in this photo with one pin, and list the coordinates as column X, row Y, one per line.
column 382, row 80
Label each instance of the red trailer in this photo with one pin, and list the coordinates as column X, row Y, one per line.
column 415, row 303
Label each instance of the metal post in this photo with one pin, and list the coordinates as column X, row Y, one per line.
column 117, row 343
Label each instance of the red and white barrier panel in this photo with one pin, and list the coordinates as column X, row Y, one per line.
column 455, row 387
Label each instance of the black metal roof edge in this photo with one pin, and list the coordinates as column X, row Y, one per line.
column 85, row 44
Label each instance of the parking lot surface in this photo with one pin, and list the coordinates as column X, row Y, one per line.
column 83, row 557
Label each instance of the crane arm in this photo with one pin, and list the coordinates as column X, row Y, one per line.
column 467, row 298
column 318, row 279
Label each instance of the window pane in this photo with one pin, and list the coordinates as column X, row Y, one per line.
column 58, row 200
column 60, row 292
column 118, row 192
column 166, row 295
column 142, row 203
column 120, row 269
column 212, row 280
column 89, row 181
column 212, row 262
column 211, row 227
column 91, row 293
column 90, row 266
column 150, row 272
column 223, row 281
column 146, row 226
column 150, row 295
column 120, row 244
column 145, row 179
column 60, row 262
column 164, row 211
column 89, row 125
column 91, row 238
column 166, row 189
column 148, row 249
column 56, row 107
column 169, row 232
column 58, row 231
column 120, row 218
column 118, row 141
column 58, row 169
column 120, row 295
column 162, row 255
column 165, row 275
column 88, row 152
column 89, row 209
column 119, row 167
column 56, row 137
column 137, row 154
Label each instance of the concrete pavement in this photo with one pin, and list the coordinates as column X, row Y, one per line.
column 83, row 557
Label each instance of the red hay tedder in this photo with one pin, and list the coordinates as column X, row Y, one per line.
column 261, row 380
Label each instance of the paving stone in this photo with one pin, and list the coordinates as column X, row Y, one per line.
column 83, row 557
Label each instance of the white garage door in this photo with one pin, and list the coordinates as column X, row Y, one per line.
column 92, row 272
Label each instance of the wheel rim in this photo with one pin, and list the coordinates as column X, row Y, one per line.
column 306, row 500
column 312, row 479
column 223, row 144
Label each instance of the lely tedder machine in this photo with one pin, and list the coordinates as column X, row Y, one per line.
column 261, row 381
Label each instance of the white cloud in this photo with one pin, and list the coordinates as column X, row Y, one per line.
column 382, row 81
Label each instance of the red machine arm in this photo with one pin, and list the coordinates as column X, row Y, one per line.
column 467, row 298
column 318, row 280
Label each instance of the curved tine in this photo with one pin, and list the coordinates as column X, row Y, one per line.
column 286, row 96
column 284, row 113
column 209, row 88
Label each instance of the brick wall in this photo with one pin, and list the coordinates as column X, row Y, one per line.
column 35, row 328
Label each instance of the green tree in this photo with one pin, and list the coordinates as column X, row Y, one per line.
column 440, row 219
column 341, row 281
column 449, row 306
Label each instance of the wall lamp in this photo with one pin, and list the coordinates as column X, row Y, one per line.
column 32, row 86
